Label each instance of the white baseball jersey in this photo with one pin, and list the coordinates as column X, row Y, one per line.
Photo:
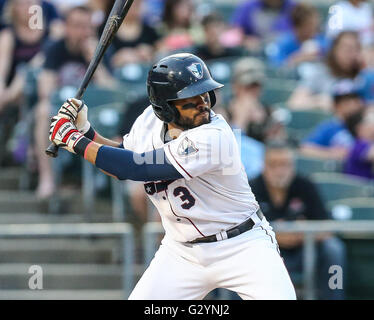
column 213, row 194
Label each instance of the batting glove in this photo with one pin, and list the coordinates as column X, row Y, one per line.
column 76, row 111
column 64, row 133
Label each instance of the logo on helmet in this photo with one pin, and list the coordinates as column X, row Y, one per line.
column 196, row 69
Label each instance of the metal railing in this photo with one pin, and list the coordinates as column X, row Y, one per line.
column 123, row 230
column 310, row 229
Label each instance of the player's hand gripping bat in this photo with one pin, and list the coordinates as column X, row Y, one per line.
column 116, row 17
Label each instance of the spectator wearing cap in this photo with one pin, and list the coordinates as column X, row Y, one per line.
column 214, row 46
column 283, row 195
column 343, row 61
column 246, row 110
column 262, row 20
column 360, row 160
column 252, row 122
column 331, row 139
column 304, row 43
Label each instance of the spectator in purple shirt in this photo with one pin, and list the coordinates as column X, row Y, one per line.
column 331, row 139
column 360, row 160
column 263, row 20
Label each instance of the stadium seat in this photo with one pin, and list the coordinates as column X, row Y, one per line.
column 352, row 209
column 221, row 69
column 106, row 118
column 225, row 9
column 277, row 90
column 93, row 97
column 281, row 73
column 133, row 73
column 359, row 275
column 336, row 186
column 300, row 123
column 308, row 165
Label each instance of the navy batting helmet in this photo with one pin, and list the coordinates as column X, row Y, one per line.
column 175, row 77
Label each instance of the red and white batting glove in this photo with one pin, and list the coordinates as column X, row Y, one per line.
column 76, row 111
column 64, row 133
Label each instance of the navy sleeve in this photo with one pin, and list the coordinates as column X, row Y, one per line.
column 127, row 165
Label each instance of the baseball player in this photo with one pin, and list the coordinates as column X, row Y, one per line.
column 188, row 158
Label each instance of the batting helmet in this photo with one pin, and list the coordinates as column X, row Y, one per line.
column 175, row 77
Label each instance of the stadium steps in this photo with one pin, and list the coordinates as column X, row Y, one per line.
column 61, row 294
column 14, row 201
column 9, row 178
column 63, row 276
column 39, row 218
column 78, row 251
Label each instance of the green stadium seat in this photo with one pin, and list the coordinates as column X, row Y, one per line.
column 359, row 275
column 301, row 123
column 225, row 9
column 323, row 9
column 106, row 118
column 352, row 208
column 133, row 73
column 94, row 96
column 308, row 165
column 336, row 186
column 133, row 78
column 281, row 73
column 221, row 69
column 277, row 90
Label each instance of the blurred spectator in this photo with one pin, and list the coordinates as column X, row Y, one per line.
column 65, row 65
column 153, row 11
column 20, row 46
column 251, row 150
column 65, row 5
column 331, row 139
column 51, row 18
column 214, row 46
column 246, row 110
column 303, row 44
column 360, row 160
column 262, row 20
column 283, row 195
column 176, row 25
column 352, row 15
column 100, row 13
column 344, row 60
column 135, row 41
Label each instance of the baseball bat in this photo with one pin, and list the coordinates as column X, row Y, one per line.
column 115, row 19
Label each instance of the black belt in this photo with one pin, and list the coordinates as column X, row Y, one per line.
column 231, row 233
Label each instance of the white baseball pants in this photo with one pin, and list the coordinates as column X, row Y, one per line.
column 248, row 264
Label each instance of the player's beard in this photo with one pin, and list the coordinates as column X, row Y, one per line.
column 190, row 123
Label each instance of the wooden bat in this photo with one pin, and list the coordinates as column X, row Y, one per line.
column 116, row 17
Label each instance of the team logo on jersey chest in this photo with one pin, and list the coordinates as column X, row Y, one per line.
column 196, row 69
column 187, row 147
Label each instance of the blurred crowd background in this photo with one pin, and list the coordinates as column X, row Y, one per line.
column 299, row 93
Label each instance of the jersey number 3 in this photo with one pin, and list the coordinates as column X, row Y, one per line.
column 185, row 196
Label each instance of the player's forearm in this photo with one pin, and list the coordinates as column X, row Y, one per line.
column 127, row 165
column 104, row 141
